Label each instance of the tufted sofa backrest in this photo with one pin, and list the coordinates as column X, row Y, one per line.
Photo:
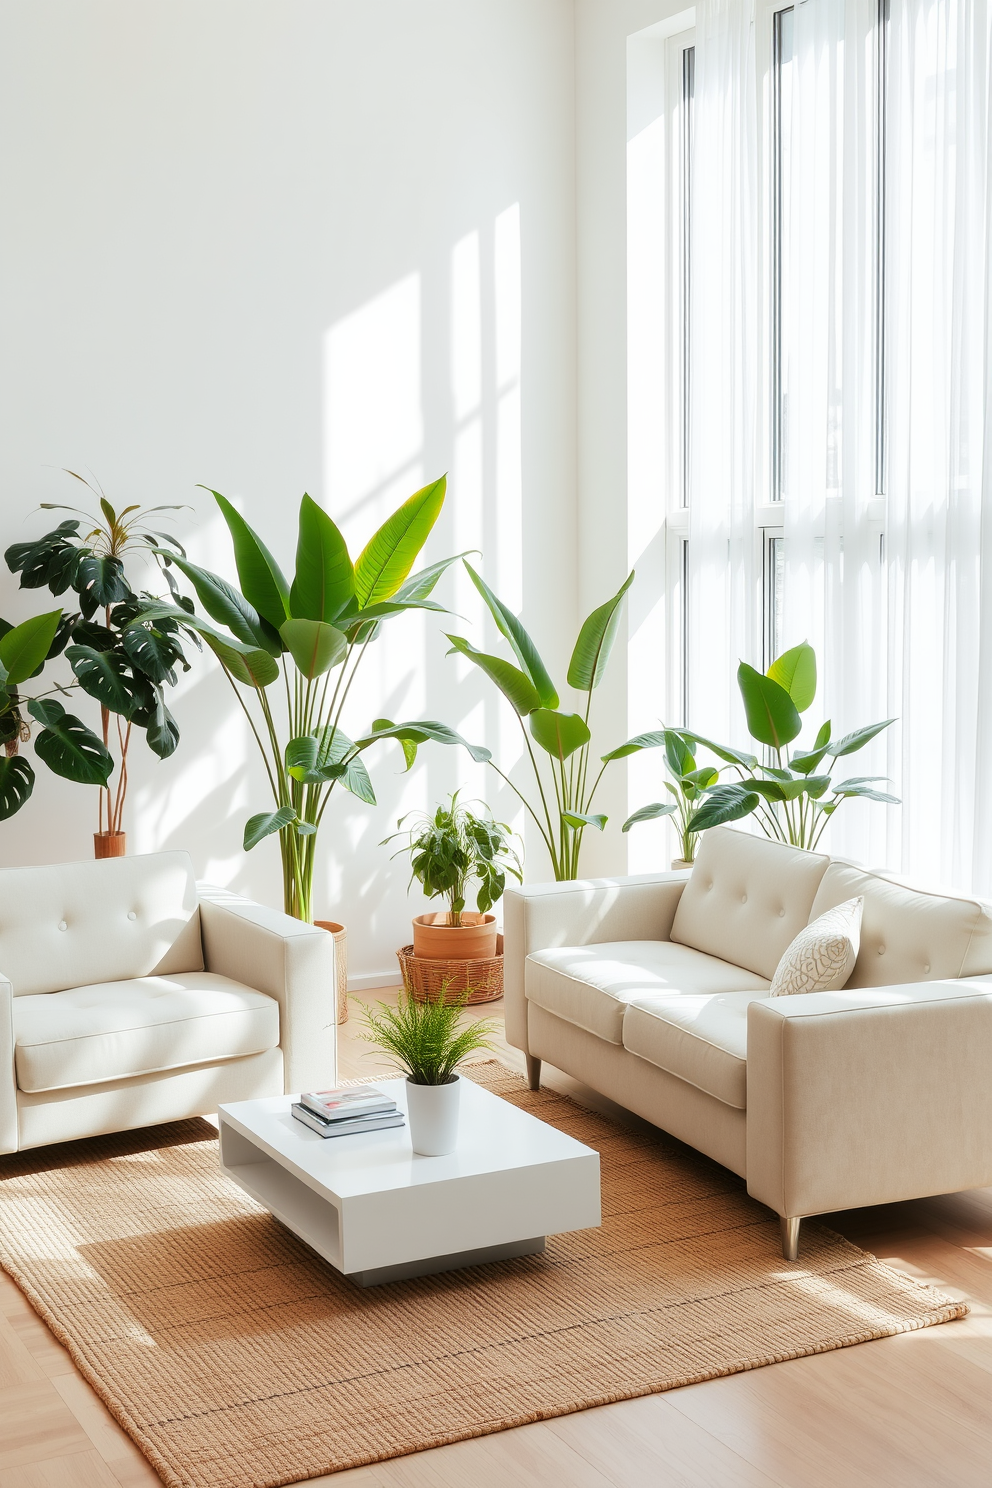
column 747, row 898
column 908, row 934
column 73, row 924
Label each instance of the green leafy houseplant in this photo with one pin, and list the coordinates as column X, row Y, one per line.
column 426, row 1040
column 293, row 650
column 453, row 848
column 122, row 663
column 564, row 773
column 791, row 794
column 64, row 743
column 688, row 785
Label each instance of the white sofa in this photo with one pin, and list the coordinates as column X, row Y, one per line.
column 654, row 991
column 128, row 997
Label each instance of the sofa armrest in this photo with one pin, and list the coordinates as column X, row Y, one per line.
column 583, row 912
column 8, row 1077
column 288, row 960
column 869, row 1096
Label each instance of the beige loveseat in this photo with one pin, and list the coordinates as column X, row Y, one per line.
column 128, row 997
column 654, row 991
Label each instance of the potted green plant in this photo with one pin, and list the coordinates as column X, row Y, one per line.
column 121, row 661
column 449, row 850
column 293, row 650
column 688, row 785
column 427, row 1041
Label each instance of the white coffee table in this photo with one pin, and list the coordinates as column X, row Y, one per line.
column 378, row 1212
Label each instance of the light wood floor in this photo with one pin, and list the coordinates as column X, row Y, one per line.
column 907, row 1412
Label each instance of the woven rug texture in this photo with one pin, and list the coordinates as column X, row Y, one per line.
column 236, row 1358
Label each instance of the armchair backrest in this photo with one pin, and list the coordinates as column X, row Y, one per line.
column 72, row 924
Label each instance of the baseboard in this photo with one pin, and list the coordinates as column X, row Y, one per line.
column 364, row 981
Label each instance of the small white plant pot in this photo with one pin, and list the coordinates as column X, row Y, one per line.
column 433, row 1113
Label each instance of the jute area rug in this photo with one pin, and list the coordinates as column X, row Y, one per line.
column 236, row 1358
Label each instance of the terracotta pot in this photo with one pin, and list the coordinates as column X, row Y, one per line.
column 678, row 863
column 340, row 963
column 109, row 844
column 438, row 940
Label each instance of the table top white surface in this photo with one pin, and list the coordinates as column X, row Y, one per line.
column 493, row 1136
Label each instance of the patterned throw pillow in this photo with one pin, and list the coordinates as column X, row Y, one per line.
column 822, row 957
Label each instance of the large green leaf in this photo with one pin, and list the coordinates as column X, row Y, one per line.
column 526, row 652
column 24, row 647
column 101, row 577
column 389, row 555
column 860, row 737
column 511, row 681
column 251, row 668
column 419, row 732
column 678, row 755
column 560, row 734
column 107, row 676
column 262, row 582
column 795, row 670
column 579, row 819
column 313, row 645
column 420, row 585
column 649, row 813
column 651, row 740
column 725, row 803
column 161, row 729
column 595, row 642
column 325, row 579
column 725, row 752
column 16, row 784
column 159, row 610
column 863, row 785
column 257, row 828
column 67, row 746
column 226, row 605
column 150, row 651
column 772, row 716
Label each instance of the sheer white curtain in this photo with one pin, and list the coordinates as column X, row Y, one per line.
column 937, row 358
column 724, row 361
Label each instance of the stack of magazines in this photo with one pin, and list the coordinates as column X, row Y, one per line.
column 341, row 1113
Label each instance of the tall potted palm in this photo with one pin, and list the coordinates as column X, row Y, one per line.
column 291, row 653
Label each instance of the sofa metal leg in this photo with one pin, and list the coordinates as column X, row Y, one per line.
column 790, row 1237
column 533, row 1072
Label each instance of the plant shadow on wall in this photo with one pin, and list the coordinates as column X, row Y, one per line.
column 790, row 793
column 121, row 662
column 293, row 650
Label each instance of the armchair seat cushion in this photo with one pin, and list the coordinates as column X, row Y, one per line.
column 700, row 1038
column 592, row 985
column 115, row 1030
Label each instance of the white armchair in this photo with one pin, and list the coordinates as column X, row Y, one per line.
column 129, row 997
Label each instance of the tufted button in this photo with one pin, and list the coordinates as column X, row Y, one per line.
column 927, row 966
column 131, row 915
column 881, row 950
column 63, row 925
column 743, row 898
column 781, row 914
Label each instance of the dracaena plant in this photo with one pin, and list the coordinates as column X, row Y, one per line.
column 790, row 792
column 63, row 743
column 565, row 774
column 125, row 667
column 291, row 654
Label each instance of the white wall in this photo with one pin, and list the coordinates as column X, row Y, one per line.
column 277, row 245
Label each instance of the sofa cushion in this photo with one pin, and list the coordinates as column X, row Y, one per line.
column 822, row 957
column 73, row 924
column 591, row 985
column 699, row 1038
column 909, row 935
column 747, row 898
column 113, row 1030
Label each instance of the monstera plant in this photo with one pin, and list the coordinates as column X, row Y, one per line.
column 565, row 775
column 64, row 743
column 291, row 652
column 122, row 665
column 791, row 792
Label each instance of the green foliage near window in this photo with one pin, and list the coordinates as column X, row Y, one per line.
column 427, row 1040
column 122, row 665
column 688, row 786
column 565, row 776
column 291, row 654
column 452, row 848
column 792, row 793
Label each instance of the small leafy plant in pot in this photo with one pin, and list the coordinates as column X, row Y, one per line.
column 427, row 1041
column 450, row 850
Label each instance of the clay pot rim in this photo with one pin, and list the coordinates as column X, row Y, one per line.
column 440, row 920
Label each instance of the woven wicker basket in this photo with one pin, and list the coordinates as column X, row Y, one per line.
column 424, row 977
